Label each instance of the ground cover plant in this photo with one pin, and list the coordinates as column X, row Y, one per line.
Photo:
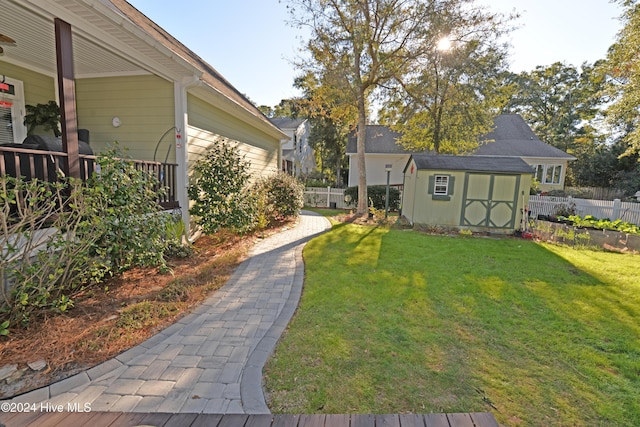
column 395, row 321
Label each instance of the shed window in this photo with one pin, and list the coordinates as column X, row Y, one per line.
column 441, row 187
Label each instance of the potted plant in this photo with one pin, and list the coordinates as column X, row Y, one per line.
column 45, row 115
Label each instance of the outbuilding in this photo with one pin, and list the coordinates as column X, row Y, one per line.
column 466, row 192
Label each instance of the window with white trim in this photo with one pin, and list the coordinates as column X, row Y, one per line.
column 548, row 174
column 12, row 128
column 441, row 185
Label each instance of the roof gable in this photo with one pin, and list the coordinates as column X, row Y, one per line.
column 512, row 137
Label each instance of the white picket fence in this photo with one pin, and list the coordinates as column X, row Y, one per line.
column 616, row 209
column 325, row 197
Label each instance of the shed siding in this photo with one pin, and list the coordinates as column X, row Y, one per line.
column 466, row 203
column 145, row 106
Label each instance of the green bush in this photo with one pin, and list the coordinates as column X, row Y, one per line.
column 377, row 194
column 279, row 196
column 220, row 190
column 132, row 228
column 48, row 242
column 59, row 238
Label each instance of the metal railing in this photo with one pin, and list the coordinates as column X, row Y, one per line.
column 44, row 165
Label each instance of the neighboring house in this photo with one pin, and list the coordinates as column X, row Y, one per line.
column 381, row 150
column 511, row 138
column 466, row 192
column 297, row 154
column 123, row 78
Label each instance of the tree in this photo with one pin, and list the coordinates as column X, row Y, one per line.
column 622, row 68
column 560, row 102
column 357, row 46
column 451, row 96
column 331, row 117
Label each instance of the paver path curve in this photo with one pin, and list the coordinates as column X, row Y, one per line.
column 211, row 360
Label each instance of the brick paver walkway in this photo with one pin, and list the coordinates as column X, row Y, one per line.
column 211, row 360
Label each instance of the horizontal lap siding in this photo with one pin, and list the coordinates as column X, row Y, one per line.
column 209, row 125
column 144, row 105
column 38, row 88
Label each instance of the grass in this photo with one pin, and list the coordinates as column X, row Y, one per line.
column 396, row 321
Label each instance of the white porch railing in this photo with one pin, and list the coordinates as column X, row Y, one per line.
column 626, row 211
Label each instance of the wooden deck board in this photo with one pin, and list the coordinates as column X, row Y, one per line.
column 112, row 419
column 363, row 420
column 206, row 420
column 436, row 420
column 387, row 420
column 259, row 421
column 460, row 420
column 484, row 419
column 411, row 420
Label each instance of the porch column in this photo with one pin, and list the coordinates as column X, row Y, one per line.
column 182, row 156
column 67, row 94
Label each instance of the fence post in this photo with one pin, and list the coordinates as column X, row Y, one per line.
column 329, row 196
column 617, row 207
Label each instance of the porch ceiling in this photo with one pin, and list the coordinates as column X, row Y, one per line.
column 99, row 45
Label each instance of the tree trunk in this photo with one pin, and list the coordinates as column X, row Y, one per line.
column 363, row 199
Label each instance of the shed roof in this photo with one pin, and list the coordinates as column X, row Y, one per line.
column 471, row 163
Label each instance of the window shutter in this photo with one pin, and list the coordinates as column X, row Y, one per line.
column 432, row 184
column 452, row 180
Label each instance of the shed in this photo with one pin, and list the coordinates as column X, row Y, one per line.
column 466, row 192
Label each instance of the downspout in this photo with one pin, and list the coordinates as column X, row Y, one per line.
column 180, row 89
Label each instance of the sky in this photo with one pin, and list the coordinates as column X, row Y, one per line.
column 252, row 45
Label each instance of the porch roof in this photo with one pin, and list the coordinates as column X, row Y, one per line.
column 112, row 38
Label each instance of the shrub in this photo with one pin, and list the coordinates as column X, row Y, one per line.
column 58, row 238
column 377, row 194
column 279, row 196
column 48, row 240
column 132, row 229
column 219, row 189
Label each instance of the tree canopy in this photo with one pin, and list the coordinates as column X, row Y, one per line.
column 622, row 68
column 360, row 46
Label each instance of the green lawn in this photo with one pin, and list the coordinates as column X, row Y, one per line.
column 396, row 321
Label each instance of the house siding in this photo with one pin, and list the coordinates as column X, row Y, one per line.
column 145, row 106
column 38, row 88
column 375, row 167
column 209, row 125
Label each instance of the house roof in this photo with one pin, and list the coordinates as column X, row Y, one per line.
column 379, row 140
column 511, row 137
column 209, row 74
column 113, row 38
column 287, row 122
column 471, row 163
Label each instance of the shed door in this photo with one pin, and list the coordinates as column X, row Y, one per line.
column 490, row 200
